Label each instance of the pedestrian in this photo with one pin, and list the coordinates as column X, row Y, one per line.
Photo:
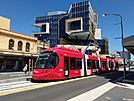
column 25, row 69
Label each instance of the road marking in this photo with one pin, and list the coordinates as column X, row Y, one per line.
column 126, row 99
column 94, row 93
column 124, row 85
column 108, row 98
column 37, row 85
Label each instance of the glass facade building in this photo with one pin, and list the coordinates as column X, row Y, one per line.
column 76, row 26
column 85, row 11
column 77, row 23
column 50, row 23
column 103, row 43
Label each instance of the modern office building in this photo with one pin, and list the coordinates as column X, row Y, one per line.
column 77, row 25
column 103, row 44
column 47, row 26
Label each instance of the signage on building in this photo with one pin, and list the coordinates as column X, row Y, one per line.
column 97, row 34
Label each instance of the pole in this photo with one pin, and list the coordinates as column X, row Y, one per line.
column 122, row 36
column 123, row 49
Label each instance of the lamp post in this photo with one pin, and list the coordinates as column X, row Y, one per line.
column 59, row 26
column 122, row 36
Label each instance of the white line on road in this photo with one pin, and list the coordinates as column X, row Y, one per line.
column 94, row 93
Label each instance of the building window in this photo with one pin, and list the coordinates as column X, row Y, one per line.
column 27, row 47
column 19, row 45
column 11, row 44
column 74, row 25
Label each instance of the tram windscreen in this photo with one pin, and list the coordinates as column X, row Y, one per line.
column 47, row 60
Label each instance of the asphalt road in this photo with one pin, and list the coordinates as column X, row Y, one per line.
column 62, row 92
column 117, row 94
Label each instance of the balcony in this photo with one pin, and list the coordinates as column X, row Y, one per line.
column 43, row 28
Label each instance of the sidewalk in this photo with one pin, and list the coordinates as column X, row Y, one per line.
column 129, row 79
column 7, row 77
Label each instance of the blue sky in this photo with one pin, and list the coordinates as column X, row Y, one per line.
column 23, row 12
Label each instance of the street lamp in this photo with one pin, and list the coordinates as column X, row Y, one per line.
column 122, row 36
column 59, row 25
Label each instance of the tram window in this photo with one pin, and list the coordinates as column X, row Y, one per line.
column 109, row 65
column 52, row 61
column 93, row 64
column 47, row 60
column 103, row 64
column 116, row 65
column 79, row 63
column 89, row 64
column 72, row 63
column 66, row 62
column 112, row 64
column 97, row 64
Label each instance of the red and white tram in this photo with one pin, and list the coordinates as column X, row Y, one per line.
column 92, row 65
column 116, row 66
column 62, row 63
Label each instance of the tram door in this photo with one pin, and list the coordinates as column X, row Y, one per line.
column 66, row 66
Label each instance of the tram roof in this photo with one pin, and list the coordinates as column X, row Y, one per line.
column 61, row 49
column 93, row 57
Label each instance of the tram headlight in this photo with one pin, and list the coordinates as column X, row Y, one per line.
column 35, row 71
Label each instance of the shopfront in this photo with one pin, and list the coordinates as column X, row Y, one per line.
column 16, row 63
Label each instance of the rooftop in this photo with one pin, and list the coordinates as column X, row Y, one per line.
column 56, row 13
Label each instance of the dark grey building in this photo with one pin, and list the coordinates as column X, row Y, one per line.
column 77, row 25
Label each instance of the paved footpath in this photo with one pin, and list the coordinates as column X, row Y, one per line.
column 8, row 77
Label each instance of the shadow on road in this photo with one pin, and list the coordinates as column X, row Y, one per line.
column 118, row 76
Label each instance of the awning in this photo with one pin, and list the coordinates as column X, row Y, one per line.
column 128, row 43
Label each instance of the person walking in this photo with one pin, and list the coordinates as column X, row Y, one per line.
column 25, row 69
